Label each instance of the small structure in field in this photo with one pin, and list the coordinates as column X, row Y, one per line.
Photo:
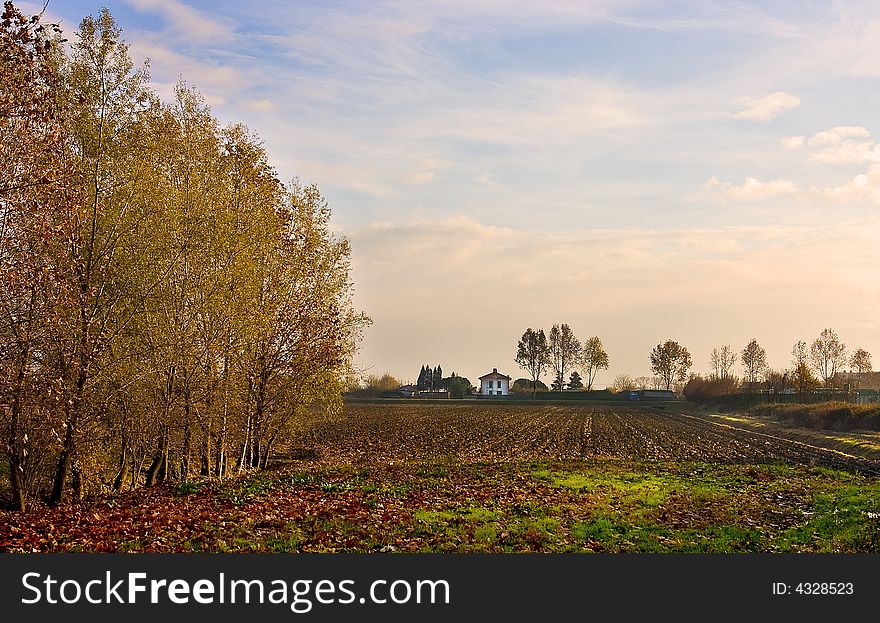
column 495, row 384
column 652, row 394
column 408, row 391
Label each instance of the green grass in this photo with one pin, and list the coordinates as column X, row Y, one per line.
column 533, row 506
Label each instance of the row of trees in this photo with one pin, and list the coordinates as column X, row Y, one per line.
column 168, row 306
column 818, row 363
column 429, row 378
column 561, row 352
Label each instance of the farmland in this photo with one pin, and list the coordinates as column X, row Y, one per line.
column 469, row 432
column 474, row 477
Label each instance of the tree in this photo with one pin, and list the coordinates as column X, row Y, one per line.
column 167, row 305
column 778, row 382
column 801, row 375
column 593, row 358
column 754, row 361
column 533, row 355
column 574, row 381
column 827, row 355
column 861, row 362
column 701, row 389
column 437, row 378
column 37, row 197
column 723, row 359
column 458, row 386
column 643, row 382
column 420, row 384
column 526, row 386
column 622, row 383
column 564, row 351
column 670, row 361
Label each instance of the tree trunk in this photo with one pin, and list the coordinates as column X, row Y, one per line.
column 63, row 467
column 122, row 473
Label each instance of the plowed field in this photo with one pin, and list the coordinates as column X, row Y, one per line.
column 370, row 433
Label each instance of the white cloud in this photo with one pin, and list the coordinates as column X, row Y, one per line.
column 767, row 107
column 752, row 189
column 793, row 142
column 840, row 145
column 862, row 187
column 262, row 105
column 186, row 20
column 838, row 134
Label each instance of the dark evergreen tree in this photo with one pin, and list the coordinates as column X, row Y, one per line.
column 438, row 376
column 420, row 384
column 575, row 381
column 558, row 383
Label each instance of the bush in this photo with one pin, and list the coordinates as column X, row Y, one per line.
column 700, row 389
column 836, row 416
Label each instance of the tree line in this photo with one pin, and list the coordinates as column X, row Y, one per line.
column 169, row 307
column 561, row 352
column 816, row 364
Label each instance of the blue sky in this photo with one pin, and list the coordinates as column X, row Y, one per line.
column 700, row 171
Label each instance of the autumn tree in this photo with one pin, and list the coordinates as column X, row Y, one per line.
column 533, row 355
column 38, row 191
column 671, row 362
column 565, row 349
column 860, row 362
column 723, row 358
column 110, row 268
column 622, row 383
column 827, row 355
column 643, row 382
column 593, row 358
column 802, row 377
column 169, row 307
column 754, row 361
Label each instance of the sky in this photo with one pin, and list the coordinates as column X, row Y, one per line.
column 701, row 171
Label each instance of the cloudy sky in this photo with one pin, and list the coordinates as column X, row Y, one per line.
column 702, row 171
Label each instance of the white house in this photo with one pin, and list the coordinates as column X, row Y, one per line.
column 495, row 384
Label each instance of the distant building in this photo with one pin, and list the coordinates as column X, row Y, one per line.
column 407, row 391
column 411, row 391
column 495, row 384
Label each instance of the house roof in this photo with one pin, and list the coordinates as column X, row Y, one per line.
column 494, row 374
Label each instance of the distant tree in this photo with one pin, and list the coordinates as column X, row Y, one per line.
column 861, row 361
column 558, row 384
column 437, row 377
column 701, row 389
column 723, row 359
column 802, row 377
column 421, row 384
column 670, row 361
column 524, row 386
column 574, row 381
column 827, row 355
column 754, row 361
column 564, row 352
column 593, row 359
column 643, row 382
column 457, row 386
column 778, row 382
column 533, row 354
column 622, row 383
column 375, row 385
